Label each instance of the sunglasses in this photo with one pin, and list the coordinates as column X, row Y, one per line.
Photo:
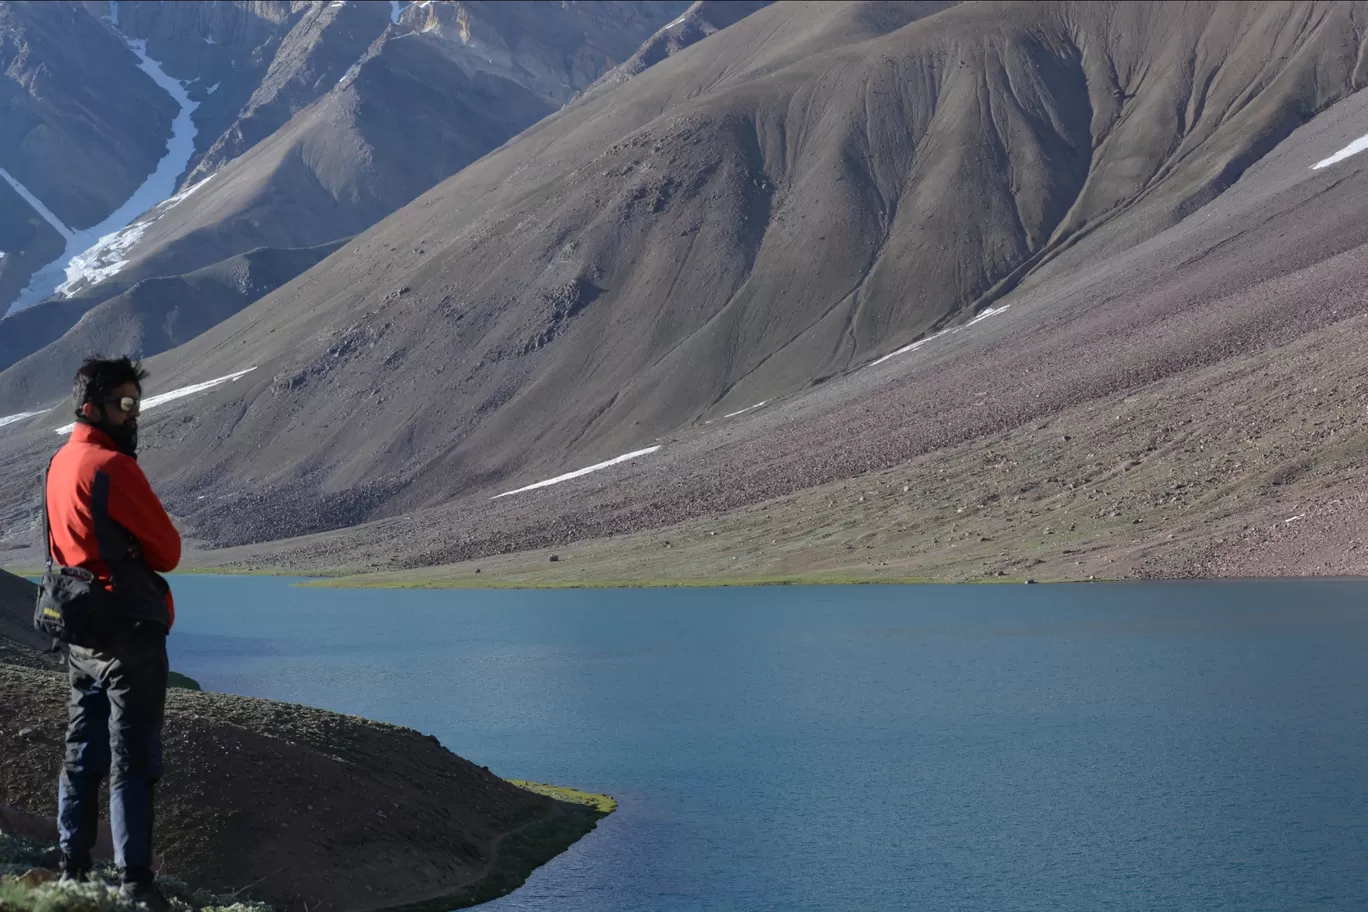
column 126, row 404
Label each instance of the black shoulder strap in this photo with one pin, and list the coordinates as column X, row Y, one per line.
column 47, row 526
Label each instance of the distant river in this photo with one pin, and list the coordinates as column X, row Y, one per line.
column 1143, row 747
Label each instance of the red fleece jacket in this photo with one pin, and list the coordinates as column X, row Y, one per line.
column 92, row 484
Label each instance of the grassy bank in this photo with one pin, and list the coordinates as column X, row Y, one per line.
column 17, row 895
column 603, row 804
column 26, row 886
column 391, row 581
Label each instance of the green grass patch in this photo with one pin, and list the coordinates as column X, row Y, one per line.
column 26, row 572
column 603, row 804
column 102, row 895
column 99, row 893
column 248, row 571
column 364, row 582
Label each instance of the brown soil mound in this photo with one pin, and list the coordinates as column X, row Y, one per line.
column 303, row 808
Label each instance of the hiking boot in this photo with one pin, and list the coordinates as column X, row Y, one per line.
column 73, row 870
column 147, row 895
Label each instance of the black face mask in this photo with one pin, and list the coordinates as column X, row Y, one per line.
column 125, row 436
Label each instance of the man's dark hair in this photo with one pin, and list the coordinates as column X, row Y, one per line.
column 99, row 377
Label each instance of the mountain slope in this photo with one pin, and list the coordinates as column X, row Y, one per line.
column 696, row 23
column 742, row 220
column 83, row 126
column 359, row 114
column 311, row 58
column 380, row 138
column 1191, row 406
column 355, row 115
column 157, row 314
column 225, row 51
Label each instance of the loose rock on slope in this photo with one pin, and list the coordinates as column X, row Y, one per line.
column 786, row 200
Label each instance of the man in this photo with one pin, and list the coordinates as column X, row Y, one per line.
column 105, row 518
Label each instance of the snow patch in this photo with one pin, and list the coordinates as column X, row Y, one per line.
column 909, row 348
column 396, row 8
column 353, row 69
column 580, row 472
column 163, row 398
column 113, row 13
column 170, row 203
column 213, row 88
column 1354, row 148
column 749, row 408
column 677, row 21
column 96, row 253
column 11, row 419
column 106, row 257
column 208, row 39
column 990, row 312
column 37, row 205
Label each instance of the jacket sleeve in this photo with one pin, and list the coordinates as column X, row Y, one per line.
column 134, row 505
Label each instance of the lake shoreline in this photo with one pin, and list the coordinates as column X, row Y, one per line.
column 416, row 580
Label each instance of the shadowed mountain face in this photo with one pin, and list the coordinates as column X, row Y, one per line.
column 157, row 314
column 81, row 126
column 314, row 121
column 797, row 194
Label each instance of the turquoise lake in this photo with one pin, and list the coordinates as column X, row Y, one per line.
column 1159, row 746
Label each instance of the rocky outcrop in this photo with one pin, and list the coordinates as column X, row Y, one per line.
column 325, row 41
column 701, row 19
column 553, row 50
